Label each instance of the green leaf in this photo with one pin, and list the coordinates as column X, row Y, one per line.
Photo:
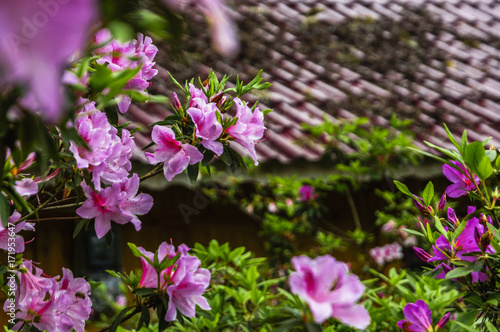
column 117, row 321
column 137, row 253
column 428, row 193
column 439, row 226
column 145, row 292
column 414, row 232
column 79, row 227
column 192, row 171
column 463, row 142
column 166, row 262
column 4, row 209
column 490, row 326
column 403, row 188
column 450, row 136
column 145, row 316
column 458, row 272
column 475, row 158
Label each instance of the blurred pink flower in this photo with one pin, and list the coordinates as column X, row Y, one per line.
column 306, row 193
column 38, row 40
column 223, row 29
column 329, row 290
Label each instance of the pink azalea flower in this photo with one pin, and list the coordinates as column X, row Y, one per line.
column 195, row 93
column 131, row 203
column 26, row 187
column 185, row 282
column 461, row 180
column 249, row 127
column 103, row 206
column 75, row 303
column 19, row 240
column 50, row 305
column 39, row 38
column 109, row 156
column 149, row 277
column 328, row 289
column 207, row 127
column 418, row 317
column 118, row 203
column 175, row 155
column 189, row 284
column 119, row 56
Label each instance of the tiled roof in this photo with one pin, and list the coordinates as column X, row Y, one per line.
column 433, row 61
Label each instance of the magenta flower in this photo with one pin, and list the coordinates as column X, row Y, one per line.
column 325, row 285
column 175, row 155
column 19, row 240
column 39, row 38
column 461, row 180
column 249, row 128
column 306, row 193
column 464, row 244
column 132, row 204
column 418, row 317
column 206, row 125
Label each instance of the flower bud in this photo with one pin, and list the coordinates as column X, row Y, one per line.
column 424, row 210
column 477, row 236
column 422, row 254
column 442, row 202
column 452, row 216
column 221, row 102
column 442, row 322
column 486, row 239
column 215, row 98
column 176, row 102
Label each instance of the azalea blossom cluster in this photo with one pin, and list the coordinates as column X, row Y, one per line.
column 386, row 253
column 326, row 285
column 118, row 56
column 418, row 318
column 184, row 282
column 209, row 129
column 107, row 158
column 474, row 238
column 48, row 303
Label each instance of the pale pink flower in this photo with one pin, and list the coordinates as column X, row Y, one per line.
column 249, row 127
column 175, row 155
column 206, row 125
column 19, row 240
column 329, row 290
column 37, row 41
column 26, row 187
